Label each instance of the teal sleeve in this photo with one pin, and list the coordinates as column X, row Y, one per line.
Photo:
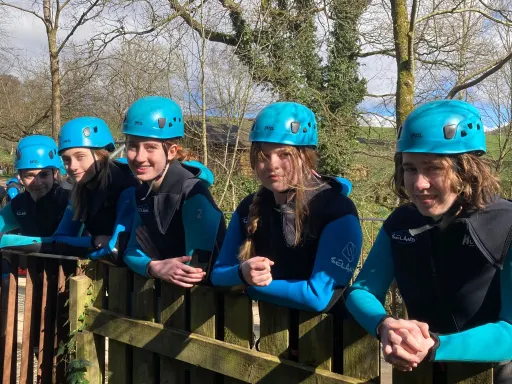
column 201, row 223
column 225, row 270
column 134, row 258
column 490, row 342
column 8, row 221
column 366, row 297
column 68, row 226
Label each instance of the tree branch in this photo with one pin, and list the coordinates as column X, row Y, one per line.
column 462, row 10
column 78, row 23
column 484, row 73
column 386, row 52
column 410, row 35
column 22, row 9
column 215, row 36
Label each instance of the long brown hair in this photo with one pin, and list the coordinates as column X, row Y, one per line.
column 183, row 154
column 470, row 177
column 79, row 190
column 305, row 181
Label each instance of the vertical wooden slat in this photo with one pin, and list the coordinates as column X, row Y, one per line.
column 463, row 373
column 96, row 272
column 58, row 372
column 119, row 354
column 274, row 329
column 360, row 352
column 47, row 327
column 202, row 321
column 9, row 302
column 238, row 319
column 173, row 315
column 316, row 340
column 27, row 344
column 86, row 348
column 143, row 308
column 423, row 374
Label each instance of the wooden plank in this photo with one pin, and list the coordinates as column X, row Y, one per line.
column 144, row 362
column 464, row 373
column 214, row 355
column 86, row 347
column 172, row 315
column 316, row 340
column 238, row 319
column 61, row 324
column 423, row 374
column 274, row 329
column 361, row 354
column 202, row 322
column 9, row 303
column 47, row 327
column 119, row 354
column 27, row 344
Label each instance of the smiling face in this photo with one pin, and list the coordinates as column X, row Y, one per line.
column 37, row 182
column 79, row 163
column 427, row 183
column 147, row 157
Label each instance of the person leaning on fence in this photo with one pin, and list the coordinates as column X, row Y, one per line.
column 178, row 228
column 297, row 240
column 448, row 248
column 37, row 210
column 99, row 198
column 13, row 188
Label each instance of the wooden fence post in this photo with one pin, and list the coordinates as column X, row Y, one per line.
column 80, row 288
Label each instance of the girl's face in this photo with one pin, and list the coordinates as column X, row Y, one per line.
column 79, row 163
column 427, row 184
column 147, row 158
column 275, row 169
column 37, row 182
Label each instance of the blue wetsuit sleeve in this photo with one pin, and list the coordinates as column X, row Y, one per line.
column 8, row 220
column 134, row 257
column 225, row 270
column 201, row 220
column 68, row 226
column 490, row 342
column 125, row 212
column 336, row 259
column 367, row 295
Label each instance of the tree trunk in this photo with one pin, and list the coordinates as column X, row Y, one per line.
column 405, row 67
column 55, row 76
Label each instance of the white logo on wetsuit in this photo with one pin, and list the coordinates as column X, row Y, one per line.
column 349, row 253
column 21, row 212
column 403, row 237
column 143, row 209
column 467, row 240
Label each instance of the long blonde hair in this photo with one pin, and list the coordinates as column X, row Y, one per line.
column 305, row 181
column 79, row 190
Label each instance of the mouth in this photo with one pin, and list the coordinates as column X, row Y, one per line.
column 141, row 169
column 274, row 177
column 426, row 199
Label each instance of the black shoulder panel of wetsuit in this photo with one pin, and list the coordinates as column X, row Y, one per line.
column 491, row 229
column 404, row 218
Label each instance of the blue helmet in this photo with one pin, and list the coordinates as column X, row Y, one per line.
column 12, row 192
column 36, row 152
column 12, row 180
column 285, row 123
column 86, row 132
column 443, row 127
column 155, row 117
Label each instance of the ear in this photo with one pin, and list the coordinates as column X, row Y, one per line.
column 172, row 151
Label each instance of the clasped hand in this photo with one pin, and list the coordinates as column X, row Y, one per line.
column 405, row 343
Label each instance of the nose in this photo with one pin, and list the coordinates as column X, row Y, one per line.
column 141, row 155
column 421, row 182
column 274, row 161
column 71, row 165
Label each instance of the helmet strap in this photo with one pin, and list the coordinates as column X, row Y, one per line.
column 160, row 175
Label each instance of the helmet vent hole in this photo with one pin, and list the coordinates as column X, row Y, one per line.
column 295, row 126
column 478, row 126
column 470, row 125
column 174, row 119
column 170, row 125
column 463, row 134
column 449, row 131
column 161, row 122
column 179, row 119
column 314, row 126
column 309, row 124
column 305, row 130
column 50, row 155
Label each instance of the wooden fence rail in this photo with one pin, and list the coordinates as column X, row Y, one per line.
column 160, row 333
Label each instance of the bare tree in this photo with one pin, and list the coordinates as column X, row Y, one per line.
column 50, row 13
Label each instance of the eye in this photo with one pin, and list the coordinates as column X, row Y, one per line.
column 409, row 169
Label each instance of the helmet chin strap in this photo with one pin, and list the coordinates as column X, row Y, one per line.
column 161, row 174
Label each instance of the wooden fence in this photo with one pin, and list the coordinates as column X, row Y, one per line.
column 159, row 333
